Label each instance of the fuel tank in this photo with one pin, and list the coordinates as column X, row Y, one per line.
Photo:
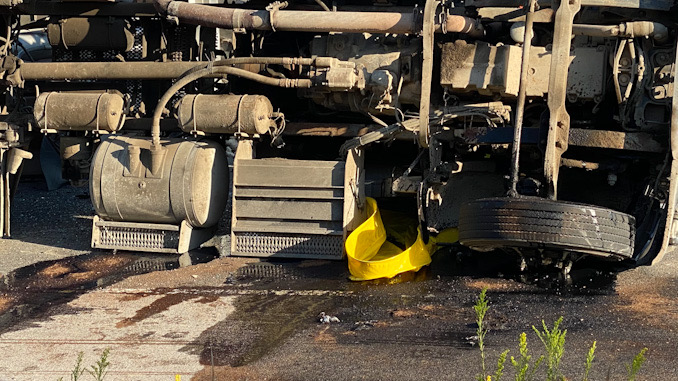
column 192, row 185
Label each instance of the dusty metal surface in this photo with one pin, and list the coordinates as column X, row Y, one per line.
column 40, row 71
column 488, row 69
column 188, row 186
column 559, row 119
column 670, row 226
column 81, row 33
column 522, row 93
column 80, row 111
column 287, row 208
column 302, row 21
column 633, row 141
column 234, row 114
column 424, row 133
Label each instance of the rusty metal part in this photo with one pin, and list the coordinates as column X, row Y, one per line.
column 671, row 223
column 310, row 21
column 511, row 14
column 559, row 119
column 79, row 111
column 632, row 141
column 327, row 129
column 520, row 107
column 426, row 71
column 573, row 163
column 225, row 114
column 659, row 32
column 461, row 24
column 189, row 187
column 55, row 71
column 91, row 33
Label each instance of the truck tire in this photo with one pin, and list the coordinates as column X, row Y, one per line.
column 533, row 222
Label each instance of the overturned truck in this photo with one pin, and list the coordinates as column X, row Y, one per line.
column 547, row 128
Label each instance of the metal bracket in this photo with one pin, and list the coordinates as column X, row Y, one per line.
column 673, row 179
column 427, row 70
column 559, row 119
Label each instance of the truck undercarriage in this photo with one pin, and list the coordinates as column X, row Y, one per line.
column 546, row 129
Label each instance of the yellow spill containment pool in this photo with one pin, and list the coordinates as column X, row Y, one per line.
column 377, row 250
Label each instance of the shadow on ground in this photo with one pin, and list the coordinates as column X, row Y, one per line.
column 30, row 291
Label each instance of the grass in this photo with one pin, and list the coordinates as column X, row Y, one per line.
column 481, row 307
column 633, row 369
column 553, row 340
column 523, row 366
column 98, row 371
column 589, row 361
column 554, row 343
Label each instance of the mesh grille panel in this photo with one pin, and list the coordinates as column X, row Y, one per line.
column 62, row 55
column 297, row 244
column 135, row 54
column 134, row 86
column 87, row 55
column 139, row 238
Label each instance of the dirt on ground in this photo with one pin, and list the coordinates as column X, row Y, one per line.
column 202, row 317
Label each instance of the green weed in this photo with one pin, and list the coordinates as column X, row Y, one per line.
column 98, row 371
column 554, row 343
column 523, row 366
column 589, row 361
column 632, row 370
column 481, row 308
column 553, row 340
column 500, row 365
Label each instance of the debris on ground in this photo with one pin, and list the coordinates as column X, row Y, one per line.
column 327, row 319
column 471, row 340
column 365, row 324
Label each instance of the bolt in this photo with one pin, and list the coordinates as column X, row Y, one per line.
column 662, row 58
column 611, row 179
column 659, row 93
column 624, row 79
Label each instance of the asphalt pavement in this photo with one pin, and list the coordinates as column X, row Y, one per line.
column 202, row 317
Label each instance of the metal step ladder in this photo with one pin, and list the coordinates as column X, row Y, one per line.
column 293, row 208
